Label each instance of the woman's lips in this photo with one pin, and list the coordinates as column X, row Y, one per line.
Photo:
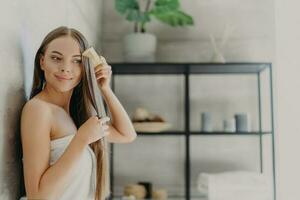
column 62, row 78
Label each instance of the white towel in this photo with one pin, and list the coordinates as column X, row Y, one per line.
column 236, row 185
column 83, row 183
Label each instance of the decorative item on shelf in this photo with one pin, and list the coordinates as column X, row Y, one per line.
column 130, row 197
column 160, row 194
column 140, row 46
column 206, row 122
column 148, row 187
column 144, row 121
column 242, row 122
column 138, row 191
column 217, row 56
column 229, row 125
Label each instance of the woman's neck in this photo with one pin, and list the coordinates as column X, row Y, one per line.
column 61, row 99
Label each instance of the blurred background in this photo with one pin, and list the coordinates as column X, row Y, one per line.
column 238, row 118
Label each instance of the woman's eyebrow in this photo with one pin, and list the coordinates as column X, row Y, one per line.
column 62, row 54
column 57, row 52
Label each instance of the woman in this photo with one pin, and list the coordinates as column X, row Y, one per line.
column 63, row 142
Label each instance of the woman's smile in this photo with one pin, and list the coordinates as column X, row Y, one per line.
column 62, row 78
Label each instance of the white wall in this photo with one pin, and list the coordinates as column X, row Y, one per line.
column 287, row 103
column 249, row 22
column 23, row 24
column 37, row 18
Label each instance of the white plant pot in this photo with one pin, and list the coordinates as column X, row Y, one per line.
column 139, row 47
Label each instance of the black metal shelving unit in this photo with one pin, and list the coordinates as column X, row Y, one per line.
column 188, row 69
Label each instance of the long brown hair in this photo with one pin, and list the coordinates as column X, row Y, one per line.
column 80, row 105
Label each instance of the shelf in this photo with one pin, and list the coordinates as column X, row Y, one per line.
column 187, row 70
column 230, row 68
column 148, row 68
column 192, row 68
column 174, row 133
column 170, row 198
column 229, row 133
column 164, row 133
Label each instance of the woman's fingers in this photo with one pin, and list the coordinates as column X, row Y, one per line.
column 102, row 67
column 105, row 127
column 104, row 130
column 104, row 72
column 103, row 120
column 101, row 73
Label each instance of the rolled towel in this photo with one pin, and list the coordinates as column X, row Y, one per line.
column 138, row 191
column 236, row 185
column 130, row 197
column 160, row 194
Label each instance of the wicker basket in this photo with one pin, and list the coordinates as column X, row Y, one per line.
column 151, row 126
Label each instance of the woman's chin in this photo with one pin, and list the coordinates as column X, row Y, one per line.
column 64, row 89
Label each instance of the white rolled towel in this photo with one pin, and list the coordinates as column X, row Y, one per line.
column 235, row 185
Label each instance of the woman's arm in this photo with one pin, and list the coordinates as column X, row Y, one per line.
column 121, row 130
column 43, row 181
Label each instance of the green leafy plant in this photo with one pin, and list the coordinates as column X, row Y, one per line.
column 166, row 11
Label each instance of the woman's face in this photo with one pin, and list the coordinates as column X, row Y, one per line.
column 62, row 64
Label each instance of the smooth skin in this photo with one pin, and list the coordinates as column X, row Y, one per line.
column 46, row 117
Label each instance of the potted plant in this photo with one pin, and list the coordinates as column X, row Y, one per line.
column 141, row 45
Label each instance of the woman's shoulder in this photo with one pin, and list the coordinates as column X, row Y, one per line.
column 36, row 108
column 37, row 103
column 36, row 119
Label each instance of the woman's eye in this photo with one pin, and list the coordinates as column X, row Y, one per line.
column 77, row 61
column 55, row 58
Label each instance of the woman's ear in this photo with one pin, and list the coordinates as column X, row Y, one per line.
column 42, row 62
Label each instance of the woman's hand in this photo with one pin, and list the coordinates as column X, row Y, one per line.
column 103, row 75
column 93, row 129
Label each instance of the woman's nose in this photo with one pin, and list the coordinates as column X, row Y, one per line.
column 65, row 70
column 66, row 65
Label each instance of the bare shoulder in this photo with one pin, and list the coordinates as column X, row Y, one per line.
column 36, row 108
column 36, row 113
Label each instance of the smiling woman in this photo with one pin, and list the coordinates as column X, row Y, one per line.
column 65, row 153
column 63, row 66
